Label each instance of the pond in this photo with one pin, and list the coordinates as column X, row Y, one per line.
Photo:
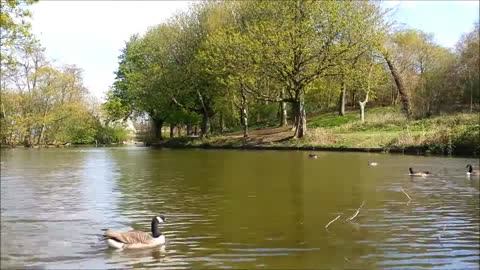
column 237, row 209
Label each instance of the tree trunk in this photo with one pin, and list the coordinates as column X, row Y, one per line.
column 471, row 95
column 189, row 129
column 301, row 127
column 157, row 125
column 294, row 115
column 222, row 124
column 362, row 108
column 179, row 130
column 283, row 114
column 353, row 99
column 341, row 109
column 404, row 98
column 172, row 129
column 244, row 115
column 40, row 137
column 195, row 130
column 27, row 139
column 205, row 126
column 394, row 95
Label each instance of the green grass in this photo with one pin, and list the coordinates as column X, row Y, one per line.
column 384, row 127
column 330, row 120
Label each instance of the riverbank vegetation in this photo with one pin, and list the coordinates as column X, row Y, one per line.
column 322, row 73
column 41, row 102
column 385, row 129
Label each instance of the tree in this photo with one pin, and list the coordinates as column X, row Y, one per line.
column 14, row 30
column 469, row 64
column 298, row 42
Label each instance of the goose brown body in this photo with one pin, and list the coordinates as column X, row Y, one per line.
column 136, row 239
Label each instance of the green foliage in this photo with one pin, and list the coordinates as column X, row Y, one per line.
column 43, row 104
column 111, row 134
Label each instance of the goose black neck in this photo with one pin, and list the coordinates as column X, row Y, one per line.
column 155, row 231
column 411, row 171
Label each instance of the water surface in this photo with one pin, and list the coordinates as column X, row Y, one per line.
column 237, row 209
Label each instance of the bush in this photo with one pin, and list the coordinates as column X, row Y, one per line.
column 111, row 134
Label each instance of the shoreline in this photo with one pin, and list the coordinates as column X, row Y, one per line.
column 411, row 150
column 186, row 143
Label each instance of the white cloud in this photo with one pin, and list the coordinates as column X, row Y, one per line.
column 90, row 34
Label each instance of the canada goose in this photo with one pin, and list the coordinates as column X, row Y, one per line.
column 423, row 174
column 471, row 171
column 372, row 163
column 136, row 239
column 313, row 156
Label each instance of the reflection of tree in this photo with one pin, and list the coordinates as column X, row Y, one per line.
column 46, row 180
column 51, row 196
column 156, row 182
column 262, row 199
column 297, row 190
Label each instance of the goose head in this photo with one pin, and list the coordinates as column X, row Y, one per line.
column 155, row 221
column 410, row 170
column 469, row 167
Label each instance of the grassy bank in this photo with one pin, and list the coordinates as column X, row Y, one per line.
column 385, row 128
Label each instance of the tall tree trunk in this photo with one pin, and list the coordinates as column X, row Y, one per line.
column 189, row 129
column 295, row 110
column 205, row 126
column 244, row 114
column 222, row 123
column 283, row 114
column 179, row 130
column 471, row 95
column 158, row 125
column 27, row 139
column 394, row 95
column 341, row 109
column 40, row 136
column 402, row 91
column 354, row 95
column 362, row 108
column 195, row 131
column 172, row 129
column 301, row 128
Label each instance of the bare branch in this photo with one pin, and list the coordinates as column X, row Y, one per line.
column 333, row 220
column 405, row 193
column 356, row 213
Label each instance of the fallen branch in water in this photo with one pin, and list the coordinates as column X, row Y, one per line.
column 405, row 193
column 333, row 220
column 356, row 213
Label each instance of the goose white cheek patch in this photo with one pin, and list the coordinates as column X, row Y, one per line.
column 159, row 220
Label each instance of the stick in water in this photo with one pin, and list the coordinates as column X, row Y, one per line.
column 405, row 193
column 356, row 213
column 333, row 220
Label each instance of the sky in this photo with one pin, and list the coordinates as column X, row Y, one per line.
column 90, row 34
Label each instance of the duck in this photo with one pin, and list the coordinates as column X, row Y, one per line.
column 136, row 239
column 471, row 171
column 422, row 173
column 372, row 163
column 313, row 156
